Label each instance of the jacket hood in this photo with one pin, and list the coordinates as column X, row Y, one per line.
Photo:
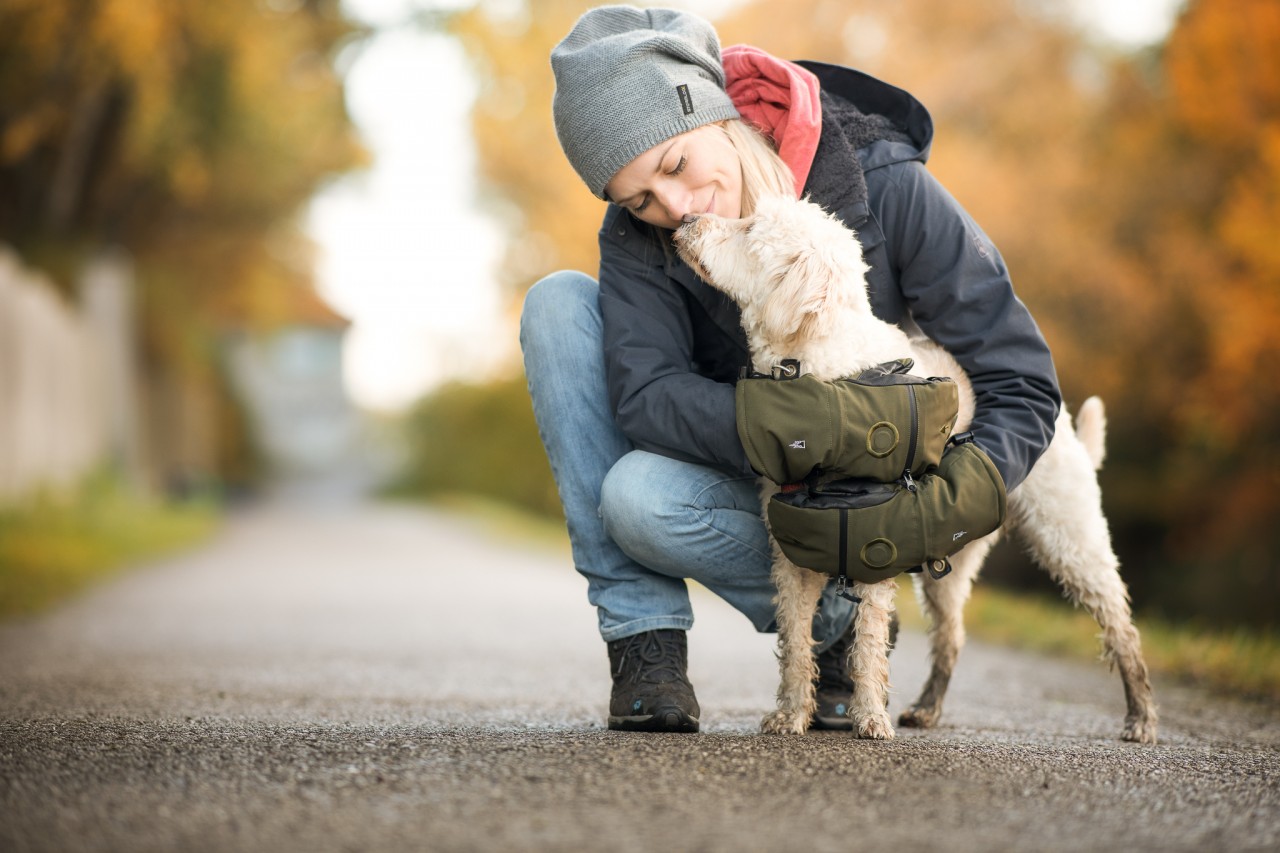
column 781, row 99
column 876, row 97
column 866, row 124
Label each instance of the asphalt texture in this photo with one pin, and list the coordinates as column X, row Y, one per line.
column 373, row 677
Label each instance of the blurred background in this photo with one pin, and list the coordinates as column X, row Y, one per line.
column 264, row 246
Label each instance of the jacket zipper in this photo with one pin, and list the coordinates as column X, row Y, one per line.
column 907, row 479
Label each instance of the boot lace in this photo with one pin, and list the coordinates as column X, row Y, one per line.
column 655, row 655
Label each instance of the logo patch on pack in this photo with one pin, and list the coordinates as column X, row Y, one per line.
column 797, row 445
column 686, row 100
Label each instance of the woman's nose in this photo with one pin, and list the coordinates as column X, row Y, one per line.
column 676, row 200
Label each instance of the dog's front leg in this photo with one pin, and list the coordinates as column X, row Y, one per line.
column 869, row 660
column 797, row 601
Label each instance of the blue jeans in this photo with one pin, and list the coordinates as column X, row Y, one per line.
column 640, row 523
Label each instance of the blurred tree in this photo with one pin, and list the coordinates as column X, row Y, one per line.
column 1193, row 204
column 190, row 134
column 549, row 216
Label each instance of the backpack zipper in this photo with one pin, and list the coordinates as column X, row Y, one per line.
column 907, row 479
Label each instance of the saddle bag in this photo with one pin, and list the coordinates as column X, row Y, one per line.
column 868, row 531
column 877, row 425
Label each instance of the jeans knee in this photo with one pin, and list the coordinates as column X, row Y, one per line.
column 559, row 299
column 627, row 509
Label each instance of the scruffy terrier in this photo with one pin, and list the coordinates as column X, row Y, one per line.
column 798, row 275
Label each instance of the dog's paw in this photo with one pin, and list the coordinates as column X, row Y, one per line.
column 918, row 717
column 1139, row 729
column 782, row 722
column 874, row 727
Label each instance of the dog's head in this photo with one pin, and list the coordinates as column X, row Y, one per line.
column 788, row 266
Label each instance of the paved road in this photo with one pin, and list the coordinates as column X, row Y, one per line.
column 387, row 678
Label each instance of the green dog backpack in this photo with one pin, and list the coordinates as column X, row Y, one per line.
column 868, row 531
column 876, row 425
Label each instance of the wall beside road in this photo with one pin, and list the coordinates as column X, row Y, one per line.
column 55, row 393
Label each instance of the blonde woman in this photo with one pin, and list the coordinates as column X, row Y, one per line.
column 632, row 375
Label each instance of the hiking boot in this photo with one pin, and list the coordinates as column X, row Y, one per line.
column 835, row 687
column 651, row 692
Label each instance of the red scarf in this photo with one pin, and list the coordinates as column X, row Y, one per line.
column 781, row 99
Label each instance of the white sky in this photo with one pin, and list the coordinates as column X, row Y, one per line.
column 1130, row 22
column 405, row 254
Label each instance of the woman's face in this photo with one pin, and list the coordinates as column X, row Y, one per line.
column 694, row 173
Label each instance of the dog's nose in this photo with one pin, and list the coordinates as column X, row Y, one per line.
column 689, row 217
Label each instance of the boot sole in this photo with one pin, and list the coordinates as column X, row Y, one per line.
column 662, row 720
column 833, row 724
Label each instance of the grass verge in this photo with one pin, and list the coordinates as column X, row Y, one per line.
column 51, row 549
column 1242, row 662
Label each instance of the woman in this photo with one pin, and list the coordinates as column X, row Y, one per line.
column 632, row 377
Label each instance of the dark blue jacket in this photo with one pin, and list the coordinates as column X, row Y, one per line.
column 674, row 345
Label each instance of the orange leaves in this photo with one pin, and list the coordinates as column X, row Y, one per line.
column 129, row 37
column 1223, row 64
column 1250, row 223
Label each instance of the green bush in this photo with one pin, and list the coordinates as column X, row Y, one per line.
column 480, row 440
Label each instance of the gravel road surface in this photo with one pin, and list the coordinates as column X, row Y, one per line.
column 389, row 678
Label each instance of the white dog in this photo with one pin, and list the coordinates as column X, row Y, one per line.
column 798, row 276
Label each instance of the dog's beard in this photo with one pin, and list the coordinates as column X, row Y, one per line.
column 704, row 250
column 687, row 240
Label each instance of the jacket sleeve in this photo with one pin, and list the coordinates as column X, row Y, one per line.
column 959, row 293
column 660, row 403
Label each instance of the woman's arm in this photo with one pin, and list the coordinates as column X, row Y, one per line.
column 959, row 293
column 660, row 402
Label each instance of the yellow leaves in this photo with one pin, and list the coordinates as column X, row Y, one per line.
column 131, row 35
column 1251, row 216
column 185, row 130
column 555, row 217
column 189, row 176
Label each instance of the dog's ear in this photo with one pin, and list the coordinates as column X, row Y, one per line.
column 798, row 305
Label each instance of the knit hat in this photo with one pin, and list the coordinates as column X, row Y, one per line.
column 628, row 79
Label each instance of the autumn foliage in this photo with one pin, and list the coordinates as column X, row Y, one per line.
column 190, row 134
column 1136, row 198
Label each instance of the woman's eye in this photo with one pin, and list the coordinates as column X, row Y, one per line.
column 642, row 205
column 679, row 166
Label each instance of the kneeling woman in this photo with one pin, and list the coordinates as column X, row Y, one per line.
column 632, row 377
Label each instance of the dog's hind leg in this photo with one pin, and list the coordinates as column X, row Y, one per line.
column 869, row 659
column 943, row 603
column 1058, row 516
column 797, row 600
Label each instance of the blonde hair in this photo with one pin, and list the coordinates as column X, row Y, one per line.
column 763, row 172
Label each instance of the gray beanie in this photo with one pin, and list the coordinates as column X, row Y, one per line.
column 627, row 79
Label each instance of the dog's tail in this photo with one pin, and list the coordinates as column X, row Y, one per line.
column 1091, row 427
